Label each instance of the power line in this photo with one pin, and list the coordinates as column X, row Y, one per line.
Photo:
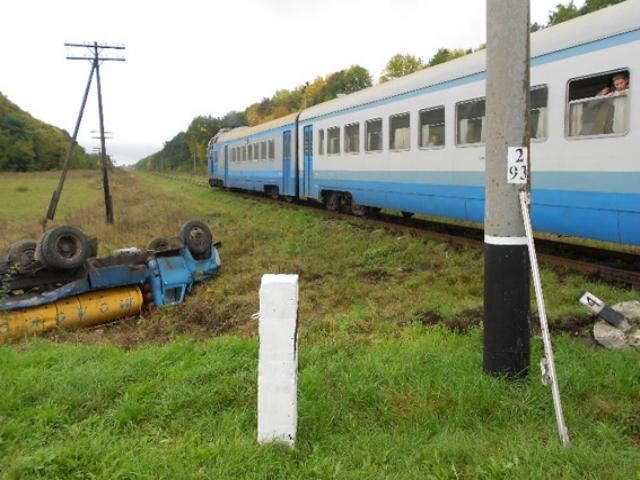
column 94, row 54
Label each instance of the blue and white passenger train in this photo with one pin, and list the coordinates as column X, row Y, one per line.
column 416, row 144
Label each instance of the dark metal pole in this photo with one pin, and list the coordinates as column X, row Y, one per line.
column 55, row 198
column 103, row 156
column 506, row 288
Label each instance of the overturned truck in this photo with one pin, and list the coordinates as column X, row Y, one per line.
column 58, row 281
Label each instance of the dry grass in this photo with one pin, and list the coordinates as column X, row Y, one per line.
column 140, row 212
column 355, row 280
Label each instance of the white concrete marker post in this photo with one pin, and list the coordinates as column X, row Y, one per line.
column 278, row 362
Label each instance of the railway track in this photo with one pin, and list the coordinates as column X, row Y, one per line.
column 609, row 265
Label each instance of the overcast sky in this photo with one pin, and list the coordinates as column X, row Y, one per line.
column 195, row 57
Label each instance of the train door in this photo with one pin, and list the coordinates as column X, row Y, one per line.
column 308, row 160
column 214, row 169
column 226, row 165
column 286, row 162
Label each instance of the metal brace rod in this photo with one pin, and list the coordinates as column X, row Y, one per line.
column 544, row 325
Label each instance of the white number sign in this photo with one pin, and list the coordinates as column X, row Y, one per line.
column 517, row 165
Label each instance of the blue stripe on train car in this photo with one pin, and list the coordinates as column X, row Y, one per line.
column 256, row 180
column 606, row 215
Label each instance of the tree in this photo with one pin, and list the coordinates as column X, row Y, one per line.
column 27, row 144
column 400, row 65
column 562, row 13
column 233, row 119
column 355, row 78
column 444, row 55
column 314, row 92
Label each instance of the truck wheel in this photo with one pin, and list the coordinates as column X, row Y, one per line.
column 21, row 254
column 158, row 244
column 197, row 237
column 62, row 248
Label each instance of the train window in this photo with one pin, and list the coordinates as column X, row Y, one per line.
column 431, row 133
column 399, row 132
column 320, row 142
column 352, row 138
column 263, row 150
column 470, row 116
column 272, row 150
column 373, row 135
column 333, row 140
column 250, row 152
column 599, row 105
column 243, row 152
column 538, row 112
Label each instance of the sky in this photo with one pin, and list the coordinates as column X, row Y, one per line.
column 195, row 57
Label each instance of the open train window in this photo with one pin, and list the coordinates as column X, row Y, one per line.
column 399, row 132
column 470, row 117
column 320, row 142
column 431, row 131
column 599, row 105
column 333, row 140
column 352, row 138
column 272, row 150
column 538, row 112
column 373, row 135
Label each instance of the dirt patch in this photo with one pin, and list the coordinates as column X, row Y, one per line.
column 375, row 275
column 463, row 322
column 575, row 325
column 460, row 323
column 196, row 320
column 429, row 319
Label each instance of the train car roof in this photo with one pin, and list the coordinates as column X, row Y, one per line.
column 604, row 23
column 241, row 132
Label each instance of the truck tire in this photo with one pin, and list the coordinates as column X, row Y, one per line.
column 197, row 237
column 62, row 248
column 21, row 254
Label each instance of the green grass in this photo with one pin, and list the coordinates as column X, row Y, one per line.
column 382, row 393
column 417, row 406
column 26, row 196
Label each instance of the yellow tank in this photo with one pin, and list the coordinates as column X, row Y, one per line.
column 72, row 312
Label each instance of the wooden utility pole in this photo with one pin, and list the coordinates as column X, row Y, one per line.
column 95, row 57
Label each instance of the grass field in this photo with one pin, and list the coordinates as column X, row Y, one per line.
column 391, row 382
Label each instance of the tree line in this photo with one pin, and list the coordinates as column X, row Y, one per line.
column 188, row 150
column 28, row 144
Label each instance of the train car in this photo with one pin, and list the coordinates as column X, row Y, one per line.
column 260, row 158
column 416, row 144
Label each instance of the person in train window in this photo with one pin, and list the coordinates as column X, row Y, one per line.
column 610, row 117
column 620, row 83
